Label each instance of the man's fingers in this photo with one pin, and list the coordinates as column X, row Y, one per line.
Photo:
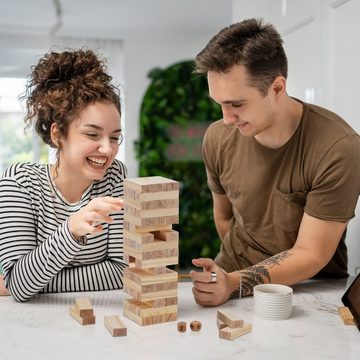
column 205, row 287
column 202, row 297
column 206, row 263
column 202, row 276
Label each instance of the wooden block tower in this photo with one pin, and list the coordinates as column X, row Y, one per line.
column 150, row 244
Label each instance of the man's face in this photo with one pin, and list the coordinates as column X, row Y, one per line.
column 243, row 105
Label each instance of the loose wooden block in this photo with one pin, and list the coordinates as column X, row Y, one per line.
column 115, row 325
column 232, row 333
column 84, row 307
column 83, row 320
column 220, row 324
column 229, row 319
column 346, row 315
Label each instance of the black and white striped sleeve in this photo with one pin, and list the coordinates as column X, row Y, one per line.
column 28, row 267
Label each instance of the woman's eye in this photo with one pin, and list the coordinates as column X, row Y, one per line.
column 114, row 139
column 92, row 135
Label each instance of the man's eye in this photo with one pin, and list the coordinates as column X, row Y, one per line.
column 237, row 105
column 114, row 139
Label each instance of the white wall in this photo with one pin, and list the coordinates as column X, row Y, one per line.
column 321, row 42
column 142, row 54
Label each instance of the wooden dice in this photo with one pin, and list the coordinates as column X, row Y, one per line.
column 181, row 326
column 195, row 325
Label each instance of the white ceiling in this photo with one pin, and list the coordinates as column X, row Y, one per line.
column 113, row 18
column 23, row 20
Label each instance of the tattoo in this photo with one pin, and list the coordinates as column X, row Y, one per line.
column 276, row 259
column 257, row 274
column 254, row 275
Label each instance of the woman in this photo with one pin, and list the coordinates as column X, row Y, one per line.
column 61, row 225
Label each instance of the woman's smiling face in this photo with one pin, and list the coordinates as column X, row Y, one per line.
column 91, row 143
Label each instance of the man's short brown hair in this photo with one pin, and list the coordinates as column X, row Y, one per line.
column 252, row 43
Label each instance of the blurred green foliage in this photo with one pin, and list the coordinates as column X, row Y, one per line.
column 177, row 96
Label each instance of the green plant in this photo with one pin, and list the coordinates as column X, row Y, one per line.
column 178, row 97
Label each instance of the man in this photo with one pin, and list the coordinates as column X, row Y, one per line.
column 284, row 175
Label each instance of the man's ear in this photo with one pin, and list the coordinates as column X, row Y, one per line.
column 279, row 85
column 55, row 134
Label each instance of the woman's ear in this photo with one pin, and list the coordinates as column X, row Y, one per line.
column 55, row 134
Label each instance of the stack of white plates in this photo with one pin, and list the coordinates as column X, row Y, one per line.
column 272, row 301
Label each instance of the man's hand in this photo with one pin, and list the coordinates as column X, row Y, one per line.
column 207, row 293
column 97, row 211
column 3, row 289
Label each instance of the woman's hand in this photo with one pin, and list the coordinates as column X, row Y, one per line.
column 210, row 293
column 3, row 290
column 88, row 220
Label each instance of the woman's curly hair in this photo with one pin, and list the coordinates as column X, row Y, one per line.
column 61, row 85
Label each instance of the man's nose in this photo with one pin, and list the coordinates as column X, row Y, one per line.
column 229, row 116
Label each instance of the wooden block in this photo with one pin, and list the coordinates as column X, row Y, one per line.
column 133, row 212
column 137, row 198
column 142, row 309
column 220, row 324
column 145, row 277
column 168, row 203
column 150, row 184
column 84, row 307
column 155, row 220
column 135, row 229
column 230, row 320
column 166, row 235
column 157, row 270
column 83, row 320
column 115, row 325
column 150, row 292
column 140, row 238
column 143, row 314
column 162, row 302
column 232, row 333
column 158, row 250
column 346, row 315
column 155, row 245
column 144, row 264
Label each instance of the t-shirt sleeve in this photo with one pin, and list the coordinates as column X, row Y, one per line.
column 336, row 185
column 211, row 161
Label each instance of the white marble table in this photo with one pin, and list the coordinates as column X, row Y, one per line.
column 42, row 329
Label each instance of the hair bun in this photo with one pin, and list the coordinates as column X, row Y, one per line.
column 56, row 68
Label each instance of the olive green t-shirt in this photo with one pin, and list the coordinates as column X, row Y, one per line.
column 316, row 171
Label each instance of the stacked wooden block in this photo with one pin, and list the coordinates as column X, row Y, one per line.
column 230, row 327
column 150, row 245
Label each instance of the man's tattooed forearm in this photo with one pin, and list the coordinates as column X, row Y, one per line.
column 259, row 274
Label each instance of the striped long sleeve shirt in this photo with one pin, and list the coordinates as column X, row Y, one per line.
column 38, row 253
